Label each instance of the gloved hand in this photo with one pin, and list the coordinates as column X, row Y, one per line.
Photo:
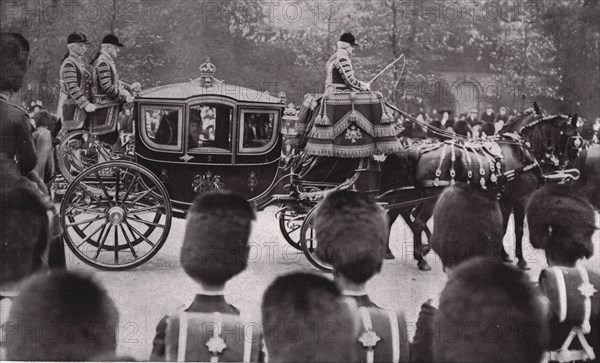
column 128, row 96
column 136, row 86
column 90, row 107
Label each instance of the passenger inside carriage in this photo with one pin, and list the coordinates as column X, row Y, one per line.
column 210, row 126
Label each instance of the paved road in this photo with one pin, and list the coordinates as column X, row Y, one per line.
column 145, row 294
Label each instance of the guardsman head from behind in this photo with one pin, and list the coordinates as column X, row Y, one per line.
column 490, row 312
column 215, row 247
column 561, row 222
column 468, row 224
column 61, row 316
column 306, row 319
column 352, row 231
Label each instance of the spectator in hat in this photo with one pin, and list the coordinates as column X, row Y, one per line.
column 433, row 133
column 472, row 118
column 353, row 233
column 445, row 117
column 215, row 249
column 16, row 141
column 109, row 93
column 488, row 116
column 490, row 312
column 463, row 128
column 74, row 101
column 72, row 317
column 306, row 319
column 340, row 72
column 562, row 222
column 488, row 129
column 502, row 115
column 42, row 137
column 476, row 231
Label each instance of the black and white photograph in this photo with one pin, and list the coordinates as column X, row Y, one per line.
column 300, row 180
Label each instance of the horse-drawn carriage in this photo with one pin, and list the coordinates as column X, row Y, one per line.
column 206, row 135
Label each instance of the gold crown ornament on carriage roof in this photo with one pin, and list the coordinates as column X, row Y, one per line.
column 207, row 73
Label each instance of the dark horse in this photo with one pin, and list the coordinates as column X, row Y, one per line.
column 525, row 141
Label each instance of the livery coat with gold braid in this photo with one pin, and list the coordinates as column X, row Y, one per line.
column 75, row 81
column 107, row 94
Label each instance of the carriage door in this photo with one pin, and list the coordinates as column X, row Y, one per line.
column 258, row 149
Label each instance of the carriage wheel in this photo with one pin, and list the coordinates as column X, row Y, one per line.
column 290, row 223
column 116, row 215
column 78, row 151
column 309, row 242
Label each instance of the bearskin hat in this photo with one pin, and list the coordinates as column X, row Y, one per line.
column 73, row 317
column 296, row 308
column 561, row 221
column 490, row 312
column 24, row 229
column 352, row 234
column 15, row 53
column 215, row 246
column 467, row 224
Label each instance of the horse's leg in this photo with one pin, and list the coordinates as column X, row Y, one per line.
column 392, row 216
column 506, row 208
column 519, row 212
column 419, row 225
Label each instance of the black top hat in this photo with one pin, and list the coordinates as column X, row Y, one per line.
column 77, row 37
column 112, row 39
column 349, row 38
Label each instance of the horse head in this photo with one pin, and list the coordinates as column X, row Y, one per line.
column 554, row 140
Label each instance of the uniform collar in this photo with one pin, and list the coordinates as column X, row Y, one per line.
column 106, row 55
column 202, row 291
column 75, row 55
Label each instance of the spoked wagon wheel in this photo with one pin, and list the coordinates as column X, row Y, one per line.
column 116, row 215
column 78, row 151
column 290, row 223
column 308, row 241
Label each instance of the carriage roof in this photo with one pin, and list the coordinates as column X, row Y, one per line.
column 208, row 85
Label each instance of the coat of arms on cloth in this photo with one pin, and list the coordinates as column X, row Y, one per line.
column 353, row 133
column 206, row 182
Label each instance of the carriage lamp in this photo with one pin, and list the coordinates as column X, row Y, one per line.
column 290, row 118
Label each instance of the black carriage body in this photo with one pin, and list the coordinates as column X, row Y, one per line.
column 197, row 139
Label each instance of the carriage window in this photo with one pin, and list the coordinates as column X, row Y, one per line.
column 162, row 126
column 257, row 130
column 210, row 127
